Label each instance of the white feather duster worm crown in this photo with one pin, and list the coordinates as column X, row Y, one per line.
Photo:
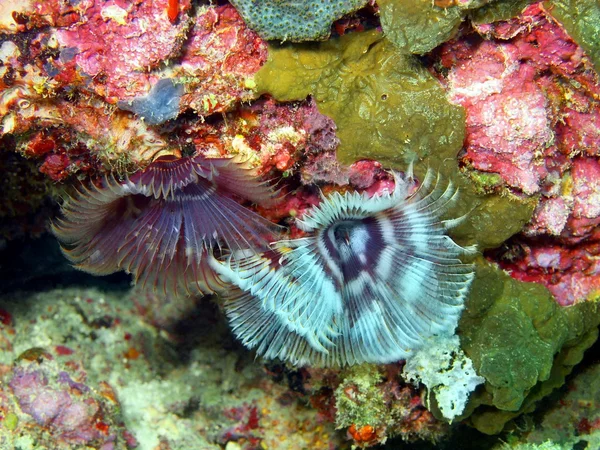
column 374, row 279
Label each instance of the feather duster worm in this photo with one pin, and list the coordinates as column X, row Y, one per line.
column 372, row 282
column 161, row 223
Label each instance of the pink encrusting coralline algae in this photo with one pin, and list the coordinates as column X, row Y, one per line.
column 533, row 116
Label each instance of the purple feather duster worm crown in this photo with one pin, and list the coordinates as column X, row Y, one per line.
column 160, row 224
column 372, row 282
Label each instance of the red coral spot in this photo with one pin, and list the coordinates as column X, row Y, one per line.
column 173, row 10
column 55, row 166
column 5, row 317
column 584, row 426
column 363, row 434
column 253, row 418
column 20, row 18
column 40, row 145
column 102, row 427
column 61, row 350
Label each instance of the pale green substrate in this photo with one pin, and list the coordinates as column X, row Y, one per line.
column 164, row 397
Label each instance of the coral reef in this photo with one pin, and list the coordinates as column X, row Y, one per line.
column 141, row 38
column 45, row 396
column 569, row 421
column 63, row 80
column 576, row 417
column 501, row 98
column 485, row 77
column 373, row 404
column 293, row 72
column 522, row 342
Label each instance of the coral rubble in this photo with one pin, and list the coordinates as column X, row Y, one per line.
column 116, row 373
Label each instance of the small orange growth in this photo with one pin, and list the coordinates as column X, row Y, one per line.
column 173, row 10
column 102, row 427
column 364, row 434
column 132, row 353
column 35, row 354
column 445, row 3
column 327, row 190
column 107, row 391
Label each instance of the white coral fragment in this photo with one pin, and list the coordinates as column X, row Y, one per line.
column 443, row 367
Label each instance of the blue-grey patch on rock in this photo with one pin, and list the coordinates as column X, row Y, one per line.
column 161, row 103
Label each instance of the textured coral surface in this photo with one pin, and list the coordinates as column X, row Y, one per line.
column 294, row 21
column 533, row 117
column 124, row 370
column 502, row 98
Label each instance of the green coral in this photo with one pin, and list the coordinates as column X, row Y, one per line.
column 418, row 26
column 485, row 182
column 363, row 83
column 388, row 107
column 294, row 21
column 521, row 342
column 581, row 19
column 496, row 11
column 359, row 399
column 11, row 420
column 560, row 424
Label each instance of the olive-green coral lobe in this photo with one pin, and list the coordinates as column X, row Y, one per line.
column 521, row 341
column 386, row 104
column 389, row 108
column 418, row 26
column 498, row 10
column 581, row 19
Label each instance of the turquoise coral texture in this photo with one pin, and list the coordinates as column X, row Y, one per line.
column 282, row 20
